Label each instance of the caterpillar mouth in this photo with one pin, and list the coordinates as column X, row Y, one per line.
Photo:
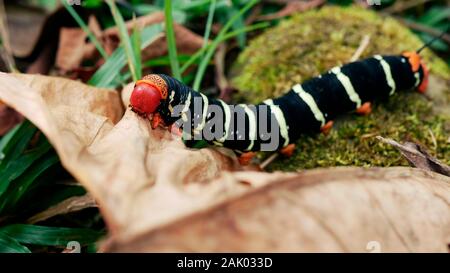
column 155, row 119
column 138, row 112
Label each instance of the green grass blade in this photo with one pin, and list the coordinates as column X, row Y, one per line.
column 238, row 24
column 17, row 142
column 165, row 60
column 124, row 37
column 250, row 28
column 10, row 245
column 193, row 59
column 16, row 167
column 6, row 139
column 209, row 53
column 136, row 45
column 171, row 43
column 85, row 28
column 209, row 21
column 50, row 236
column 109, row 74
column 435, row 15
column 21, row 185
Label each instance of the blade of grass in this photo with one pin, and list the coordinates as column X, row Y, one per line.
column 435, row 15
column 229, row 35
column 15, row 144
column 7, row 139
column 20, row 186
column 171, row 43
column 165, row 60
column 253, row 27
column 136, row 44
column 85, row 28
column 10, row 245
column 109, row 73
column 16, row 167
column 209, row 21
column 209, row 53
column 124, row 37
column 50, row 236
column 237, row 24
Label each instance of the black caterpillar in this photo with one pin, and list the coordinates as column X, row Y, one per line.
column 305, row 108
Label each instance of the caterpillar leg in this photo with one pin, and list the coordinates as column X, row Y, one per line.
column 416, row 63
column 327, row 127
column 245, row 158
column 157, row 120
column 288, row 151
column 423, row 86
column 365, row 109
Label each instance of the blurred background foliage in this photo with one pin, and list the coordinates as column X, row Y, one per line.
column 33, row 181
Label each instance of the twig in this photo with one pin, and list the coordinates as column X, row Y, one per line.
column 253, row 16
column 423, row 28
column 5, row 51
column 268, row 160
column 221, row 79
column 400, row 6
column 69, row 205
column 433, row 138
column 418, row 157
column 292, row 7
column 362, row 46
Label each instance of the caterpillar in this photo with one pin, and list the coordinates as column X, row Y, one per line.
column 306, row 108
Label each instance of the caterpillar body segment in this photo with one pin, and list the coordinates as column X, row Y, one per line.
column 306, row 108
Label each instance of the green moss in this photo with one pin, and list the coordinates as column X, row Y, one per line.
column 309, row 44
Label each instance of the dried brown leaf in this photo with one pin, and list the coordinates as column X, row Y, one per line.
column 187, row 41
column 126, row 166
column 73, row 48
column 69, row 205
column 157, row 195
column 418, row 156
column 326, row 210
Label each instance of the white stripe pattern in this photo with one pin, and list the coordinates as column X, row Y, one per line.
column 387, row 73
column 227, row 117
column 252, row 125
column 347, row 84
column 187, row 103
column 309, row 100
column 279, row 116
column 205, row 111
column 417, row 76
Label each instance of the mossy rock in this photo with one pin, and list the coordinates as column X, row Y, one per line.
column 310, row 43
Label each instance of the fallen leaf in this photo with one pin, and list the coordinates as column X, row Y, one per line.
column 187, row 41
column 122, row 162
column 73, row 48
column 418, row 157
column 26, row 24
column 345, row 209
column 69, row 205
column 157, row 195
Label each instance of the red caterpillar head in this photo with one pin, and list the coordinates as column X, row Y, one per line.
column 147, row 95
column 416, row 63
